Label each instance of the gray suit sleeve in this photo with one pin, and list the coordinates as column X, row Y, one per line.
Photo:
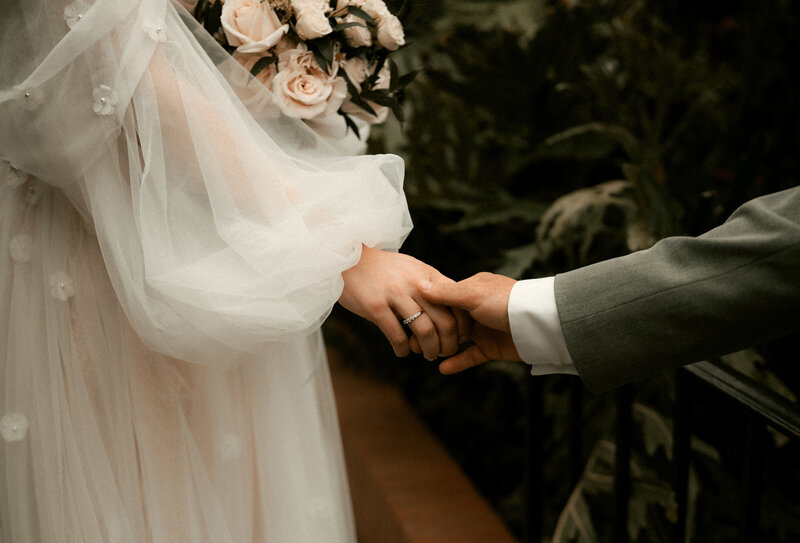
column 686, row 299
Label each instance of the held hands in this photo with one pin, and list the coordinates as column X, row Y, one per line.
column 485, row 297
column 388, row 288
column 384, row 288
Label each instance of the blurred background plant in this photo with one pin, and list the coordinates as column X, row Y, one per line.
column 545, row 135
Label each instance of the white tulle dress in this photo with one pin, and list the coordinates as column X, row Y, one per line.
column 168, row 249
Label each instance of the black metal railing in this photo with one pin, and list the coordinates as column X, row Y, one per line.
column 762, row 407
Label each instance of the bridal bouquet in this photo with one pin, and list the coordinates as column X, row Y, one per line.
column 317, row 57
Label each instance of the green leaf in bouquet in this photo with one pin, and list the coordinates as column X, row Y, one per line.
column 350, row 123
column 261, row 64
column 380, row 60
column 199, row 8
column 382, row 97
column 337, row 27
column 323, row 50
column 394, row 75
column 363, row 105
column 397, row 110
column 361, row 14
column 406, row 79
column 355, row 94
column 213, row 19
column 351, row 88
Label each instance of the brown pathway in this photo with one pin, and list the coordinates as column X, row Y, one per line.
column 405, row 487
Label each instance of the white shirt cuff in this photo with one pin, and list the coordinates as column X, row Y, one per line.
column 536, row 328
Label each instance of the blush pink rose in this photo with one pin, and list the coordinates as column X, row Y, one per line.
column 304, row 90
column 312, row 24
column 390, row 33
column 251, row 25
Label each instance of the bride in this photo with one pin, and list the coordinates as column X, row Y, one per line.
column 167, row 258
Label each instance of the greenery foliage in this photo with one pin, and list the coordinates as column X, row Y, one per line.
column 545, row 135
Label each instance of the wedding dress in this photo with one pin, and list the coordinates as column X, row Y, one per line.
column 168, row 249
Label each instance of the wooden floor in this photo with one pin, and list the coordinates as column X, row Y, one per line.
column 405, row 487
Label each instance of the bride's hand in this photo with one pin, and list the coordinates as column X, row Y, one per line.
column 383, row 289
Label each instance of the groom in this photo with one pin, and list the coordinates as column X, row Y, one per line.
column 682, row 300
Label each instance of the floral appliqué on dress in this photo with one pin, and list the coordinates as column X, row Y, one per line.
column 61, row 286
column 21, row 247
column 105, row 100
column 155, row 31
column 14, row 426
column 74, row 12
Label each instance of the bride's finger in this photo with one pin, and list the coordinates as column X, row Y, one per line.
column 446, row 328
column 421, row 325
column 413, row 344
column 394, row 332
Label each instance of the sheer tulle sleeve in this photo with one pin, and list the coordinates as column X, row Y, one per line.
column 222, row 227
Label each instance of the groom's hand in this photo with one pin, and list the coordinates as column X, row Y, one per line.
column 485, row 297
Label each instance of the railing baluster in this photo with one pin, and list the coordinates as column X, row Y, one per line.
column 622, row 460
column 762, row 406
column 752, row 480
column 681, row 450
column 575, row 431
column 533, row 467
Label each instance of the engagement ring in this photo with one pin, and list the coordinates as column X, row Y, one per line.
column 413, row 317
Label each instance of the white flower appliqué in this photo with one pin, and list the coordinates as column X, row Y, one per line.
column 230, row 447
column 155, row 31
column 105, row 100
column 61, row 286
column 14, row 426
column 74, row 12
column 21, row 247
column 14, row 177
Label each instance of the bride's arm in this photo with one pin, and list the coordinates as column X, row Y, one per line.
column 381, row 287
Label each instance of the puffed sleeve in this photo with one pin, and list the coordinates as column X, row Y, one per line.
column 221, row 229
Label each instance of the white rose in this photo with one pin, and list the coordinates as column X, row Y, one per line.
column 357, row 36
column 302, row 89
column 312, row 24
column 318, row 5
column 251, row 25
column 390, row 33
column 376, row 9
